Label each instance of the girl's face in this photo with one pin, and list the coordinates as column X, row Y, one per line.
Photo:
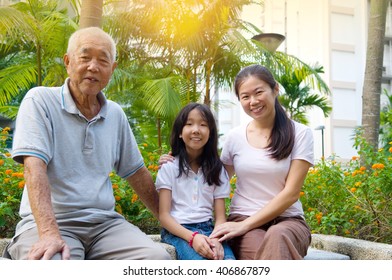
column 195, row 132
column 257, row 98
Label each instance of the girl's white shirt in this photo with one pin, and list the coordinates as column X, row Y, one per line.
column 192, row 198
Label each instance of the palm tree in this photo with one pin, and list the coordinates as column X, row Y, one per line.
column 373, row 71
column 187, row 48
column 386, row 122
column 91, row 13
column 297, row 94
column 33, row 36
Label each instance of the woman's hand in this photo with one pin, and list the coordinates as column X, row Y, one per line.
column 218, row 250
column 229, row 230
column 164, row 159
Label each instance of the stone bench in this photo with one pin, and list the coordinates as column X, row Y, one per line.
column 313, row 254
column 356, row 249
column 323, row 247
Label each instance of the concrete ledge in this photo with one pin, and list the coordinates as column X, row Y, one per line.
column 156, row 238
column 3, row 244
column 323, row 247
column 356, row 249
column 316, row 254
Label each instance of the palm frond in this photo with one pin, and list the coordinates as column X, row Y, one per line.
column 14, row 79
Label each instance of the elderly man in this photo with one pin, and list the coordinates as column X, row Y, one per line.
column 70, row 138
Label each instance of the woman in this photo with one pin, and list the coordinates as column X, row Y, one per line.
column 271, row 156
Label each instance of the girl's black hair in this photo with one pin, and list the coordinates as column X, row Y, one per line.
column 282, row 135
column 209, row 160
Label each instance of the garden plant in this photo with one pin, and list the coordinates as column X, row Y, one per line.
column 350, row 199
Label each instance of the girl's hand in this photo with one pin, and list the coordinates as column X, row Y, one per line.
column 202, row 245
column 228, row 230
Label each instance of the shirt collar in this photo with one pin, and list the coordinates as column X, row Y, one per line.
column 68, row 104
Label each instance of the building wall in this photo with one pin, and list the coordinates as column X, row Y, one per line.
column 331, row 33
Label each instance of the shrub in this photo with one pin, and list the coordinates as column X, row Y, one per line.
column 351, row 199
column 11, row 187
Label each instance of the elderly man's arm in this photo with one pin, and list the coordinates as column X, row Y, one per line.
column 50, row 241
column 144, row 187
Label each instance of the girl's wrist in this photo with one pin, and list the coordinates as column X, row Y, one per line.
column 192, row 238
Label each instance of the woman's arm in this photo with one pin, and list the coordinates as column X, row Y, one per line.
column 230, row 170
column 220, row 218
column 286, row 198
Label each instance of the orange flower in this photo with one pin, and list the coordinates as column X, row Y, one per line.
column 8, row 171
column 231, row 195
column 357, row 184
column 390, row 149
column 233, row 181
column 353, row 189
column 1, row 162
column 355, row 158
column 117, row 197
column 118, row 209
column 319, row 217
column 115, row 186
column 378, row 166
column 21, row 184
column 7, row 154
column 134, row 198
column 301, row 193
column 362, row 168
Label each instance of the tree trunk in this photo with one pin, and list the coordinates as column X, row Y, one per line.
column 91, row 13
column 373, row 71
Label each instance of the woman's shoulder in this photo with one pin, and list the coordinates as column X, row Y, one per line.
column 240, row 129
column 300, row 127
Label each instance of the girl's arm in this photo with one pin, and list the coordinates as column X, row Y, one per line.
column 286, row 198
column 201, row 243
column 167, row 221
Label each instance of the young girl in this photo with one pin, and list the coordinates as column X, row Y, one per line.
column 193, row 187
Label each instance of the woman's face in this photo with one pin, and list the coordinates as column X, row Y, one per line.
column 257, row 98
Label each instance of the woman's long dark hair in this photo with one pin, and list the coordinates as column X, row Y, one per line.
column 282, row 135
column 209, row 160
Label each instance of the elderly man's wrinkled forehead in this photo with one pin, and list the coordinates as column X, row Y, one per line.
column 92, row 36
